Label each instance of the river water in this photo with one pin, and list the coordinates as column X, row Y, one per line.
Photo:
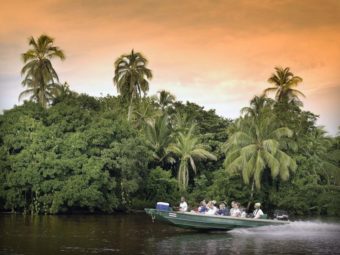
column 136, row 234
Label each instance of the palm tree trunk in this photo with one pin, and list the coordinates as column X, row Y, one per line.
column 251, row 194
column 130, row 109
column 32, row 203
column 44, row 104
column 42, row 91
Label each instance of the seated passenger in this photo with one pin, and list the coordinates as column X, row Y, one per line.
column 243, row 212
column 223, row 211
column 211, row 209
column 236, row 212
column 203, row 207
column 214, row 205
column 231, row 212
column 257, row 212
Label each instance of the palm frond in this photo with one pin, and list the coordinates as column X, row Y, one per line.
column 236, row 165
column 281, row 132
column 203, row 154
column 248, row 170
column 240, row 138
column 248, row 151
column 271, row 145
column 231, row 156
column 192, row 163
column 272, row 163
column 259, row 167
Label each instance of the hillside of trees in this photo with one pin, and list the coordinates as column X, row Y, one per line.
column 64, row 152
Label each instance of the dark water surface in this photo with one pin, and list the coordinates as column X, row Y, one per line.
column 136, row 234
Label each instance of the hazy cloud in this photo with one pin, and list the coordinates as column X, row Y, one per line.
column 214, row 52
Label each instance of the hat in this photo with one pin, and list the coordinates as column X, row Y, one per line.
column 213, row 202
column 257, row 205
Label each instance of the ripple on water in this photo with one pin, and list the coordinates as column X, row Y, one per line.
column 295, row 238
column 298, row 229
column 82, row 250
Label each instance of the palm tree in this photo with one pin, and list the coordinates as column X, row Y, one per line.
column 158, row 135
column 63, row 90
column 257, row 105
column 165, row 99
column 40, row 94
column 181, row 122
column 318, row 148
column 254, row 146
column 284, row 82
column 188, row 149
column 144, row 112
column 132, row 77
column 40, row 76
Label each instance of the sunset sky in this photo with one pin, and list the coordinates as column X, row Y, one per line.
column 218, row 54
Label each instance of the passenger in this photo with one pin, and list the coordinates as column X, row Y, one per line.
column 203, row 207
column 223, row 211
column 214, row 204
column 243, row 212
column 231, row 212
column 183, row 206
column 211, row 209
column 257, row 212
column 209, row 204
column 236, row 211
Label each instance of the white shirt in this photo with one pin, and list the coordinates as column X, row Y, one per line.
column 183, row 206
column 235, row 213
column 211, row 211
column 257, row 213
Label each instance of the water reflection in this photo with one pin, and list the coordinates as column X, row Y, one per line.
column 136, row 234
column 189, row 243
column 208, row 243
column 296, row 238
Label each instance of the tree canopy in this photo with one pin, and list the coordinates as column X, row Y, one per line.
column 132, row 76
column 81, row 153
column 40, row 78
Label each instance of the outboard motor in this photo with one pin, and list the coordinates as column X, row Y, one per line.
column 281, row 215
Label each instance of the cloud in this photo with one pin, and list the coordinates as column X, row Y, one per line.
column 217, row 53
column 327, row 106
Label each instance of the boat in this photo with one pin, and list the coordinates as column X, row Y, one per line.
column 199, row 221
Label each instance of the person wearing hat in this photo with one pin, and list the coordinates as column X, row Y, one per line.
column 257, row 212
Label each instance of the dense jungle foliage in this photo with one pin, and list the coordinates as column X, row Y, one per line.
column 63, row 152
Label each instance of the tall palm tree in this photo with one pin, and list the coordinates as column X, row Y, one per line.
column 188, row 149
column 40, row 76
column 285, row 83
column 132, row 77
column 165, row 99
column 254, row 146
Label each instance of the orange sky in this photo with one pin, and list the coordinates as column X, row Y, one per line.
column 216, row 53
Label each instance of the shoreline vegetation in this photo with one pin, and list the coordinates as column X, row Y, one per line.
column 64, row 152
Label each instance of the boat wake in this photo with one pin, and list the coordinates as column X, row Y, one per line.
column 298, row 229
